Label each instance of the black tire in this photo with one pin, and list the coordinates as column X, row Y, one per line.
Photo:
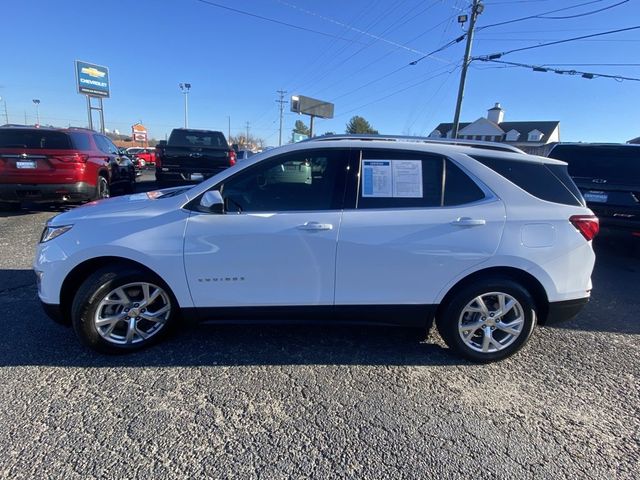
column 450, row 314
column 102, row 188
column 130, row 186
column 96, row 288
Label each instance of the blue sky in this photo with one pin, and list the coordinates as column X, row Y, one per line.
column 236, row 63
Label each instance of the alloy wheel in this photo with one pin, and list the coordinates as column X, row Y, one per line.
column 132, row 313
column 491, row 322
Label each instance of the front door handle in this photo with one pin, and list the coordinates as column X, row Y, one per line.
column 468, row 222
column 315, row 226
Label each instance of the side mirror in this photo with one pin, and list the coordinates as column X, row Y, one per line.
column 212, row 202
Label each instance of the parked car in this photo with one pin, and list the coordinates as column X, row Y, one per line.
column 148, row 155
column 487, row 243
column 608, row 175
column 244, row 154
column 60, row 165
column 192, row 155
column 138, row 164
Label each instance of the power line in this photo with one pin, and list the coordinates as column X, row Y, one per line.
column 544, row 14
column 494, row 56
column 398, row 91
column 273, row 20
column 546, row 68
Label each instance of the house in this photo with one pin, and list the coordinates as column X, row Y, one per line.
column 536, row 137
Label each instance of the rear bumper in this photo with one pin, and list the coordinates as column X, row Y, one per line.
column 47, row 192
column 565, row 310
column 624, row 219
column 183, row 174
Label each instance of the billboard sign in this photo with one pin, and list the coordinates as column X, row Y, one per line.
column 311, row 106
column 139, row 132
column 92, row 80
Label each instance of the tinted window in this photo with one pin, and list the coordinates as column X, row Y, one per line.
column 535, row 178
column 192, row 138
column 101, row 143
column 393, row 179
column 458, row 187
column 34, row 138
column 618, row 163
column 81, row 141
column 310, row 180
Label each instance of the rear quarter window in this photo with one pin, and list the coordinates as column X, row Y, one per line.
column 81, row 141
column 34, row 139
column 546, row 182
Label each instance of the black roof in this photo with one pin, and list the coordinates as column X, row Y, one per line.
column 545, row 127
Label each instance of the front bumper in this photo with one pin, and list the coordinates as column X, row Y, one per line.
column 46, row 192
column 54, row 312
column 565, row 310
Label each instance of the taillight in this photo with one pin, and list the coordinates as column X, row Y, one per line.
column 587, row 225
column 232, row 157
column 73, row 158
column 157, row 159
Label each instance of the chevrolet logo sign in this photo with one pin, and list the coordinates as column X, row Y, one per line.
column 92, row 72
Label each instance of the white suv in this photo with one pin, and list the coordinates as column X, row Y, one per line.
column 486, row 242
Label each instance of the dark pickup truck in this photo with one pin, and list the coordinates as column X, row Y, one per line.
column 192, row 155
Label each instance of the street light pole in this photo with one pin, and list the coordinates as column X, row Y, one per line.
column 185, row 87
column 476, row 9
column 37, row 104
column 6, row 114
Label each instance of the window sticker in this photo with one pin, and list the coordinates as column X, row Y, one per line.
column 392, row 178
column 407, row 178
column 376, row 178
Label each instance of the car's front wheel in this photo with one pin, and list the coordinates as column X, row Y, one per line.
column 489, row 320
column 120, row 309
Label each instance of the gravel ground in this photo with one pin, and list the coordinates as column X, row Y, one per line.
column 314, row 402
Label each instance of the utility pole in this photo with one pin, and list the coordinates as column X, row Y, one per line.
column 185, row 87
column 282, row 103
column 476, row 9
column 247, row 137
column 229, row 127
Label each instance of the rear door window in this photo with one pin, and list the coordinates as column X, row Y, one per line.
column 405, row 179
column 34, row 139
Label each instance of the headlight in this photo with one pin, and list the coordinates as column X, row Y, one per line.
column 50, row 232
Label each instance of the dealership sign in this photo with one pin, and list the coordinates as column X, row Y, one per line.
column 139, row 132
column 92, row 80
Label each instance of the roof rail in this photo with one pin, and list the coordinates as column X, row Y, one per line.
column 503, row 147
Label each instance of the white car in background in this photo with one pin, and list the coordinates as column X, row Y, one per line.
column 486, row 241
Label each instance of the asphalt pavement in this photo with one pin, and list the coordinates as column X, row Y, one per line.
column 318, row 402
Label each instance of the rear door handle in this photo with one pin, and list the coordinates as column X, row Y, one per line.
column 468, row 222
column 315, row 226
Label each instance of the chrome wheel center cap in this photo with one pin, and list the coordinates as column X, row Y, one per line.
column 133, row 313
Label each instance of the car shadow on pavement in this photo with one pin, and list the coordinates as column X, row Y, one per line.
column 31, row 338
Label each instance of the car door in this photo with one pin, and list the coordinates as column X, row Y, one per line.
column 276, row 242
column 416, row 222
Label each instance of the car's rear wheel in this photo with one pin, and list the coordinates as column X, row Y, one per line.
column 489, row 320
column 121, row 309
column 102, row 188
